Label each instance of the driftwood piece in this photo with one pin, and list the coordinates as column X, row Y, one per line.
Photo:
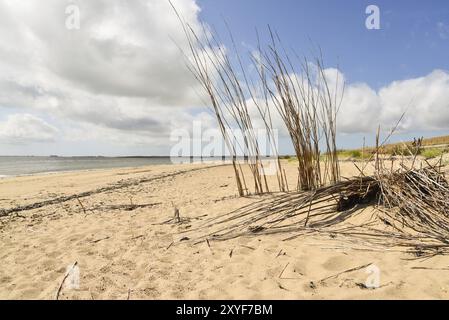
column 345, row 271
column 101, row 239
column 81, row 204
column 125, row 207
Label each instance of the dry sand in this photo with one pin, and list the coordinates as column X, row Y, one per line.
column 125, row 253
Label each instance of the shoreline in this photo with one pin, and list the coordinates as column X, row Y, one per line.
column 44, row 173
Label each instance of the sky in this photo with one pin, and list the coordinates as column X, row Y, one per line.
column 116, row 83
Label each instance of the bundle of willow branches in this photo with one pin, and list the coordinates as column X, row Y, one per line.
column 300, row 94
column 294, row 211
column 417, row 200
column 306, row 101
column 412, row 211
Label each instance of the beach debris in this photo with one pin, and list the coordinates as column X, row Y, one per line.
column 411, row 206
column 176, row 217
column 345, row 271
column 169, row 246
column 208, row 244
column 312, row 285
column 282, row 272
column 363, row 286
column 281, row 287
column 125, row 207
column 279, row 253
column 428, row 268
column 101, row 239
column 81, row 205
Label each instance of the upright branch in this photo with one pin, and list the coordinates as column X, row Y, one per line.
column 308, row 106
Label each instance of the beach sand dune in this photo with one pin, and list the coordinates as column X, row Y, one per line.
column 123, row 249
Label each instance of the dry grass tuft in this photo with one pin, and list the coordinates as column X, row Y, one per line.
column 302, row 95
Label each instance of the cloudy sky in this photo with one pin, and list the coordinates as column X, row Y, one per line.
column 118, row 85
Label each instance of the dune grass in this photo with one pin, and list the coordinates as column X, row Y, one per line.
column 353, row 154
column 403, row 149
column 436, row 140
column 433, row 152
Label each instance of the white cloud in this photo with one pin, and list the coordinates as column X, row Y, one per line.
column 122, row 71
column 425, row 101
column 121, row 49
column 26, row 128
column 359, row 110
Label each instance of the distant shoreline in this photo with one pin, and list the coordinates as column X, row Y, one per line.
column 13, row 166
column 18, row 166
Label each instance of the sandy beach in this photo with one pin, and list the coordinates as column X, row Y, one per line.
column 124, row 249
column 224, row 150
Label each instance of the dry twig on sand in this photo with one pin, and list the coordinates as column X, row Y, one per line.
column 345, row 271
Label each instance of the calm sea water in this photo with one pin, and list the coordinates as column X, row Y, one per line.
column 13, row 166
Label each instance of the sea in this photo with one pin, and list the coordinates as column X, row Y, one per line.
column 29, row 165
